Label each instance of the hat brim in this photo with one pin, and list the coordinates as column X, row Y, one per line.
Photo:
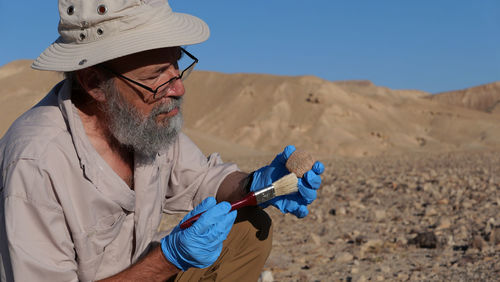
column 177, row 29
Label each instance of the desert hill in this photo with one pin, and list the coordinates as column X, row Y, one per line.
column 248, row 114
column 20, row 88
column 347, row 118
column 483, row 97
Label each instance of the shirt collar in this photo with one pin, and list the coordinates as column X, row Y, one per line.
column 94, row 167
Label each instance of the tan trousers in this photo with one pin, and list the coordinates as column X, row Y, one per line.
column 244, row 252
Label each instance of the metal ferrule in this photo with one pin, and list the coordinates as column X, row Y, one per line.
column 265, row 194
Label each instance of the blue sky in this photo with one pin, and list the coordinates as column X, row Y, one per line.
column 430, row 45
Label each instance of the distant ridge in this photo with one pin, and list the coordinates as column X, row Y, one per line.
column 484, row 97
column 251, row 114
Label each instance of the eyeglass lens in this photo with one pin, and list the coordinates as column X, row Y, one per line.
column 186, row 67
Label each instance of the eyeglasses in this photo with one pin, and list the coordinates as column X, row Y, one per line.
column 165, row 87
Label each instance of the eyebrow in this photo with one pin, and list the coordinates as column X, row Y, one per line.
column 161, row 69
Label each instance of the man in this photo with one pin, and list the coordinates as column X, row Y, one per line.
column 87, row 173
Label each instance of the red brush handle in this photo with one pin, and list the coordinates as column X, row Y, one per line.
column 249, row 200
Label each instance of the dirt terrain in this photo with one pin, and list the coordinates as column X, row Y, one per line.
column 421, row 217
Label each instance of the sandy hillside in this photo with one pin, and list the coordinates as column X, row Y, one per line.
column 350, row 118
column 21, row 88
column 484, row 98
column 242, row 114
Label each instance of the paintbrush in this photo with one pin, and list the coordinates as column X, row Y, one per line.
column 299, row 162
column 283, row 186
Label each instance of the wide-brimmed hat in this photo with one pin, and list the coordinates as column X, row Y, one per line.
column 92, row 32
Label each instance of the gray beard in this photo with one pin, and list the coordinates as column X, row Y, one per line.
column 143, row 134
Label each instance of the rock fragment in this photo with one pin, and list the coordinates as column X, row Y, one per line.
column 344, row 257
column 426, row 240
column 266, row 276
column 444, row 223
column 495, row 236
column 380, row 215
column 478, row 243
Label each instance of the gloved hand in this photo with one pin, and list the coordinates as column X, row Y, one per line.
column 295, row 203
column 201, row 244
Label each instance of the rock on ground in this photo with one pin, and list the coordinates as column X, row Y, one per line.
column 369, row 212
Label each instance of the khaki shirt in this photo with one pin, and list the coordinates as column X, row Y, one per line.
column 65, row 215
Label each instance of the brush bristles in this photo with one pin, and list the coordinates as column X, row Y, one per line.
column 286, row 185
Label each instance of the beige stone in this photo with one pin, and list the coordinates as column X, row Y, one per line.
column 299, row 162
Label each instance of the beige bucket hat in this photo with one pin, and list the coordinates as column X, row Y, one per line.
column 92, row 32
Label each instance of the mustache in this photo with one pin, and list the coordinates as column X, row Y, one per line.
column 175, row 102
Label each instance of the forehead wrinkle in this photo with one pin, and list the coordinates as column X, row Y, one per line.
column 161, row 69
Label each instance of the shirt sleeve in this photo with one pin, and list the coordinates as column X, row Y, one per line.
column 193, row 176
column 35, row 243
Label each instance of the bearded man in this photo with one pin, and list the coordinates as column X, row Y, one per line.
column 89, row 171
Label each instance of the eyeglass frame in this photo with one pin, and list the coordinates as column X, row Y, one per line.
column 155, row 91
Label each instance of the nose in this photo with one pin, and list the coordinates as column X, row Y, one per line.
column 176, row 89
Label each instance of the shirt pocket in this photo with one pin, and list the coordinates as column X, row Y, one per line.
column 91, row 245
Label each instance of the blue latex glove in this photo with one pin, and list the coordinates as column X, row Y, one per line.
column 201, row 244
column 295, row 203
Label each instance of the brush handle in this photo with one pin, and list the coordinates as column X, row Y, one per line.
column 249, row 200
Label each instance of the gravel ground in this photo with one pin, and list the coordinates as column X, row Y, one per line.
column 425, row 217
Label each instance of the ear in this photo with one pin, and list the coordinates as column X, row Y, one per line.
column 90, row 78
